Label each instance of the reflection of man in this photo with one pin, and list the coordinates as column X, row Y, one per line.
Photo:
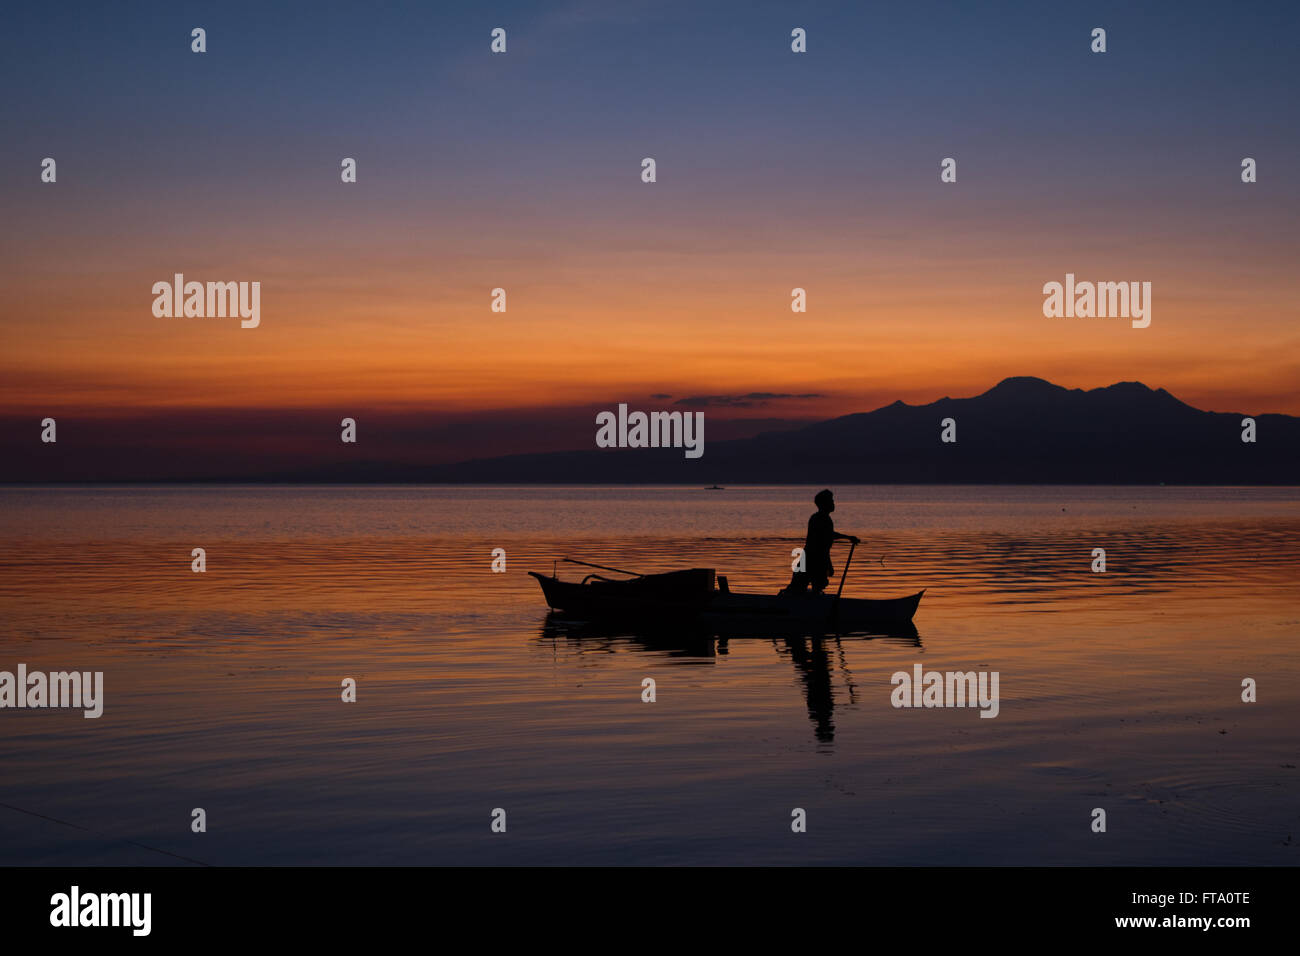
column 817, row 547
column 813, row 666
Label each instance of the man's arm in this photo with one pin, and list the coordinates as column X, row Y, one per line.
column 846, row 537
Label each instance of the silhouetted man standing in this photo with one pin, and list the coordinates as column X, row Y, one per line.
column 817, row 547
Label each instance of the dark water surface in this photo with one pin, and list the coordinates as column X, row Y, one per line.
column 1119, row 690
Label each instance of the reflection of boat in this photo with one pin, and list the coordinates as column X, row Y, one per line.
column 698, row 598
column 814, row 657
column 696, row 638
column 607, row 637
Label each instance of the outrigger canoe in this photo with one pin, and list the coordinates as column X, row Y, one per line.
column 699, row 597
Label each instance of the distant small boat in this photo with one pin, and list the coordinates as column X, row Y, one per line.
column 699, row 597
column 713, row 488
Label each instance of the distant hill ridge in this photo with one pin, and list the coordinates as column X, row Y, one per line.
column 1024, row 429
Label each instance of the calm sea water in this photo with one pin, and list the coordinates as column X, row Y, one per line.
column 1119, row 690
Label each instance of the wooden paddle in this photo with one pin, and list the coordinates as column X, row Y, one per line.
column 835, row 608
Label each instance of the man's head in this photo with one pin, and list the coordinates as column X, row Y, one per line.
column 824, row 500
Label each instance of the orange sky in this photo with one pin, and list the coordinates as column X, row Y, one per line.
column 589, row 321
column 522, row 172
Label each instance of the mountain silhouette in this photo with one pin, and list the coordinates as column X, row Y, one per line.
column 1023, row 430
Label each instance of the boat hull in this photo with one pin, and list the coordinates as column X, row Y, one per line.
column 723, row 610
column 660, row 596
column 760, row 611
